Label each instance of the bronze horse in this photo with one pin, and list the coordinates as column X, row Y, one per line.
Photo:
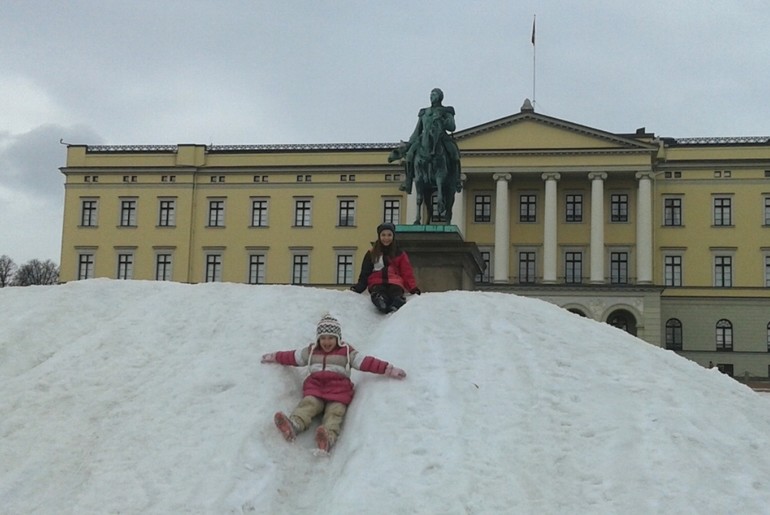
column 433, row 170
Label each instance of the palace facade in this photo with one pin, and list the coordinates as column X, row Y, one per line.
column 668, row 239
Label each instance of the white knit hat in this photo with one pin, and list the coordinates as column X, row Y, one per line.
column 329, row 326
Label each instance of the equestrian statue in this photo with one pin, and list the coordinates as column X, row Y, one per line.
column 432, row 160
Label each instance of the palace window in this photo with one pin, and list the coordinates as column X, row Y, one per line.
column 391, row 211
column 88, row 213
column 486, row 259
column 300, row 272
column 573, row 267
column 344, row 268
column 672, row 270
column 85, row 266
column 723, row 213
column 767, row 212
column 257, row 264
column 724, row 336
column 673, row 334
column 216, row 213
column 483, row 208
column 128, row 213
column 672, row 211
column 767, row 271
column 213, row 268
column 619, row 207
column 527, row 267
column 435, row 215
column 302, row 213
column 163, row 267
column 259, row 212
column 527, row 208
column 574, row 208
column 619, row 267
column 347, row 213
column 723, row 271
column 125, row 266
column 167, row 213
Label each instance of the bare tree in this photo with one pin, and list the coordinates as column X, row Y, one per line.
column 7, row 269
column 36, row 272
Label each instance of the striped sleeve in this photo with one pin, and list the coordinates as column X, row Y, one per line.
column 373, row 365
column 286, row 357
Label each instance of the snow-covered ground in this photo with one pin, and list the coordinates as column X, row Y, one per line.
column 145, row 397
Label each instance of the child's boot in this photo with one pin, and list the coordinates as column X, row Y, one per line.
column 397, row 303
column 324, row 439
column 285, row 426
column 379, row 300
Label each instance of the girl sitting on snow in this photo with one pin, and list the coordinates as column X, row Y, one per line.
column 327, row 388
column 387, row 272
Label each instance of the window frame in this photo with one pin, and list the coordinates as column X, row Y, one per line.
column 674, row 334
column 128, row 212
column 527, row 208
column 303, row 212
column 216, row 212
column 573, row 208
column 673, row 211
column 722, row 208
column 89, row 212
column 260, row 212
column 619, row 208
column 346, row 212
column 482, row 208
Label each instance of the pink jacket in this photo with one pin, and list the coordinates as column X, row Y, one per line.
column 329, row 372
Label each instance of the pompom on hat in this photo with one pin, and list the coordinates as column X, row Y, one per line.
column 387, row 226
column 329, row 326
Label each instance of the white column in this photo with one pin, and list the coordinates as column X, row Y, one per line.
column 458, row 211
column 549, row 230
column 597, row 226
column 502, row 228
column 411, row 206
column 644, row 228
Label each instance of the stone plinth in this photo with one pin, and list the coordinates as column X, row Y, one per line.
column 442, row 261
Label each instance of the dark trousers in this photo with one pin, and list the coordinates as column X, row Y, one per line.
column 387, row 297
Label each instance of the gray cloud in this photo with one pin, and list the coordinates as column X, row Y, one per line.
column 29, row 162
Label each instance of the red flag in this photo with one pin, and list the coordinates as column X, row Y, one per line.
column 533, row 31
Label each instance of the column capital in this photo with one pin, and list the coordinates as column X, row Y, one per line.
column 602, row 176
column 551, row 176
column 501, row 176
column 644, row 175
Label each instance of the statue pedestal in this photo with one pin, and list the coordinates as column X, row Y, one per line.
column 441, row 260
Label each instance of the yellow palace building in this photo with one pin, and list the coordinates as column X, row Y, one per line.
column 668, row 239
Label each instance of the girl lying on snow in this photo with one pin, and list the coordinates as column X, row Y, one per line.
column 327, row 389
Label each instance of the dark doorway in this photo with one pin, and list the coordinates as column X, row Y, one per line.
column 624, row 320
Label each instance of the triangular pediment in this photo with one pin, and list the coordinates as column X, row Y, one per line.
column 535, row 132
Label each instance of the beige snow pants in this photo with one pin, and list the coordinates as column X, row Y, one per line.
column 309, row 407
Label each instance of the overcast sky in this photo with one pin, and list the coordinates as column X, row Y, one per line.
column 254, row 72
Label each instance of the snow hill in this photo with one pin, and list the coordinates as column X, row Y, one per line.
column 146, row 397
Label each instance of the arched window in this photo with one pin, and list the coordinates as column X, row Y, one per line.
column 578, row 312
column 624, row 320
column 673, row 334
column 724, row 336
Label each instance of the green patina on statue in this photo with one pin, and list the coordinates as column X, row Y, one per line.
column 432, row 159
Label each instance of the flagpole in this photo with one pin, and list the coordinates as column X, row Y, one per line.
column 534, row 60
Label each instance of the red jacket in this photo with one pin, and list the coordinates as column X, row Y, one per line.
column 395, row 270
column 329, row 372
